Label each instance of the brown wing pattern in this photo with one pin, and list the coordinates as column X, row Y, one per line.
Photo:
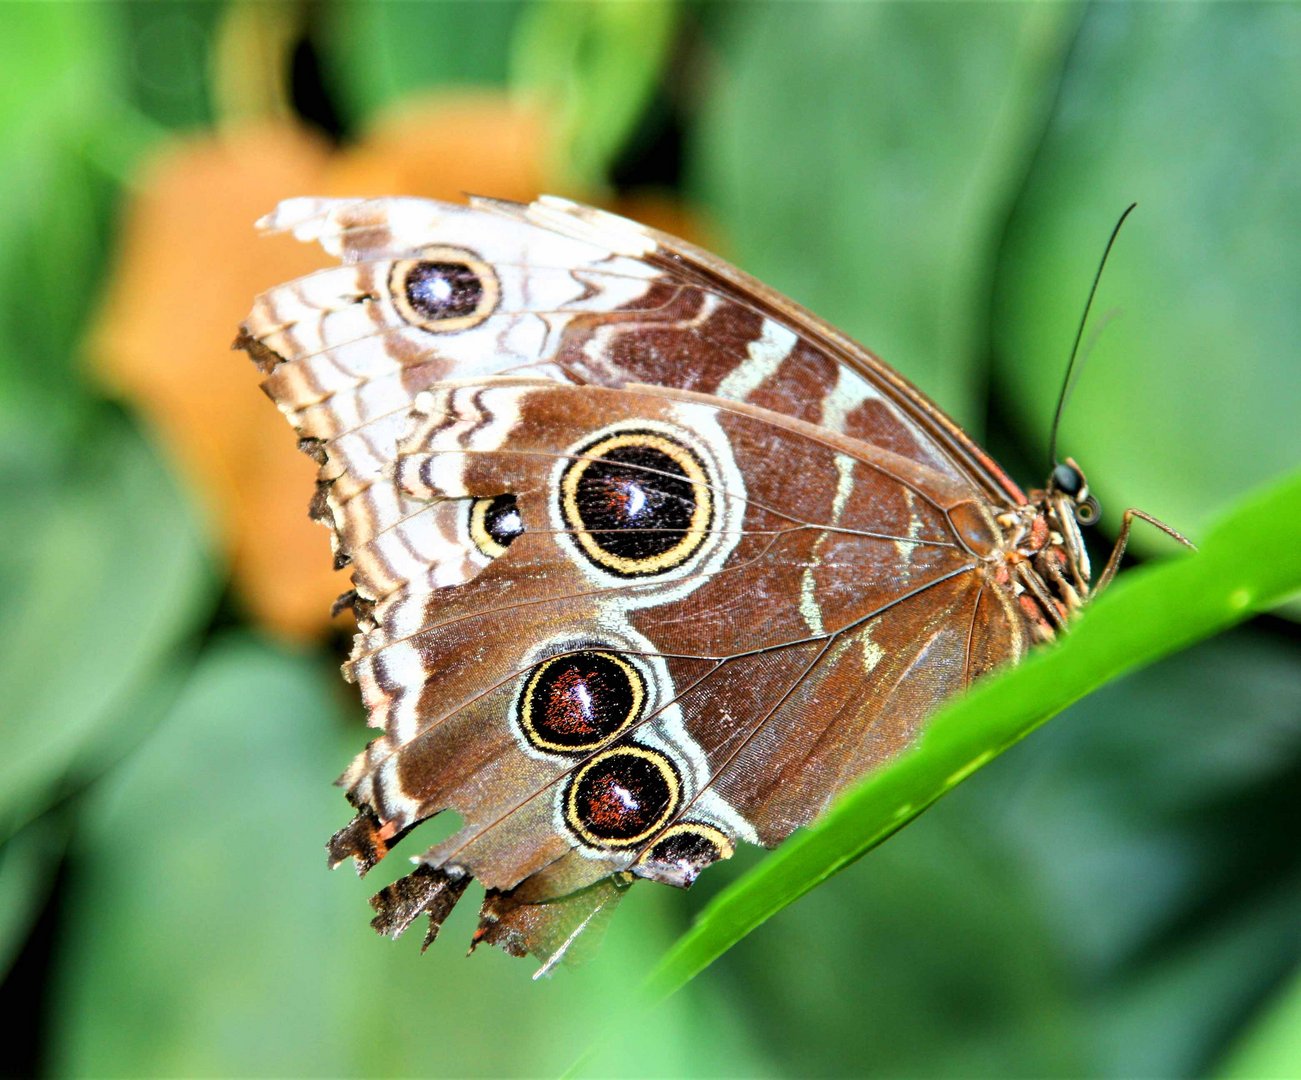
column 641, row 569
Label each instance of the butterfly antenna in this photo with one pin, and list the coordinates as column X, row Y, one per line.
column 1079, row 334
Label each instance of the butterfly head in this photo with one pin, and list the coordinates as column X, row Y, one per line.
column 1068, row 487
column 1050, row 555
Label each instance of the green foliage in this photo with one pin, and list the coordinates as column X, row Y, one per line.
column 58, row 60
column 106, row 576
column 594, row 64
column 28, row 862
column 597, row 64
column 379, row 53
column 1273, row 1045
column 1189, row 111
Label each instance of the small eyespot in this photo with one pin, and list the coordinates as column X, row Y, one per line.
column 622, row 797
column 638, row 503
column 682, row 851
column 445, row 291
column 579, row 701
column 494, row 523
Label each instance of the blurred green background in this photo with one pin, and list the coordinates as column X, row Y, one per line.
column 1118, row 896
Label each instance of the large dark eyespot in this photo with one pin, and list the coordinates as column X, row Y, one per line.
column 447, row 290
column 1067, row 479
column 494, row 523
column 683, row 850
column 622, row 797
column 579, row 701
column 638, row 503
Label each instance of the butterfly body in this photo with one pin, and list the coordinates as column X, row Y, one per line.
column 646, row 559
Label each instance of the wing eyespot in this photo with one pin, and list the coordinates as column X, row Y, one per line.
column 681, row 851
column 578, row 701
column 622, row 797
column 637, row 502
column 494, row 523
column 445, row 291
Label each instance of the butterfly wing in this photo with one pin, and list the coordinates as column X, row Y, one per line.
column 643, row 565
column 591, row 297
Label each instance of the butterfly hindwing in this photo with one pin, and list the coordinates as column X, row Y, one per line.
column 603, row 651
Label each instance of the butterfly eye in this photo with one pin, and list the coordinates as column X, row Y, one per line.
column 638, row 503
column 622, row 797
column 578, row 701
column 1067, row 479
column 447, row 291
column 1088, row 511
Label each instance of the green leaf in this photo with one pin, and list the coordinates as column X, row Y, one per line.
column 862, row 157
column 104, row 577
column 934, row 958
column 1144, row 809
column 1171, row 1016
column 1147, row 614
column 181, row 891
column 59, row 85
column 1272, row 1046
column 170, row 59
column 598, row 65
column 1187, row 109
column 28, row 862
column 377, row 53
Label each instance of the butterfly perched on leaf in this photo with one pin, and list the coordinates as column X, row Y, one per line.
column 646, row 559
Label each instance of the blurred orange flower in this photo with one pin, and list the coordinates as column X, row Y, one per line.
column 189, row 265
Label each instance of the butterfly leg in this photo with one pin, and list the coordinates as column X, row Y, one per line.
column 1122, row 541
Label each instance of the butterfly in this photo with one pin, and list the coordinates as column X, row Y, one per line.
column 647, row 560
